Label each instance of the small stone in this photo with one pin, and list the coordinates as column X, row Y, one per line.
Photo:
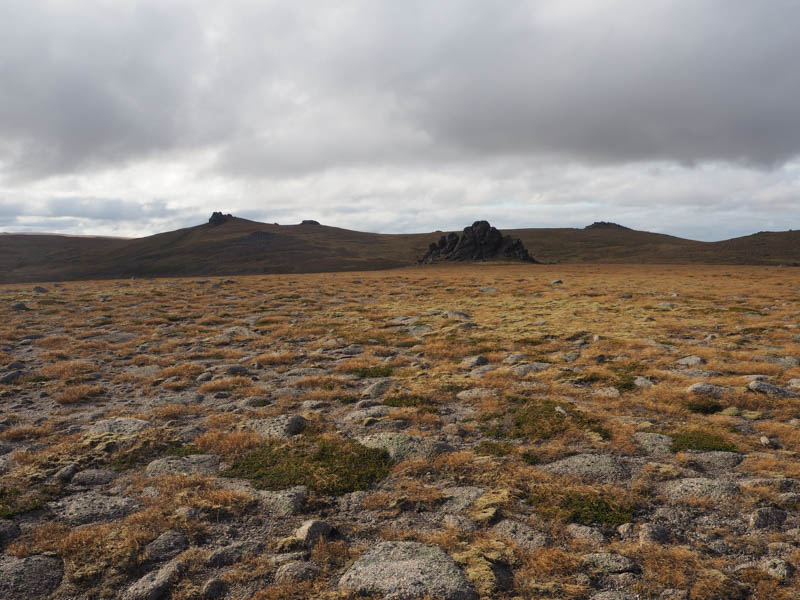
column 296, row 571
column 586, row 533
column 767, row 518
column 166, row 546
column 763, row 387
column 707, row 389
column 282, row 427
column 313, row 531
column 9, row 531
column 120, row 426
column 155, row 586
column 196, row 464
column 607, row 562
column 524, row 536
column 607, row 392
column 12, row 377
column 213, row 589
column 642, row 382
column 655, row 444
column 691, row 361
column 227, row 555
column 378, row 389
column 476, row 394
column 285, row 502
column 90, row 477
column 473, row 361
column 650, row 533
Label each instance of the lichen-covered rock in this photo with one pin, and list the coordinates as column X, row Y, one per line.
column 407, row 571
column 699, row 487
column 155, row 585
column 524, row 536
column 91, row 507
column 282, row 426
column 401, row 446
column 29, row 578
column 119, row 426
column 607, row 562
column 196, row 464
column 591, row 468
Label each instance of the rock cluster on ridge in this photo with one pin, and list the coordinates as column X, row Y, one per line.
column 479, row 241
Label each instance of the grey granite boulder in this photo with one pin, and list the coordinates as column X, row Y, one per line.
column 29, row 578
column 407, row 571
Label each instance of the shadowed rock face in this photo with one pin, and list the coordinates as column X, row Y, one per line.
column 480, row 241
column 218, row 218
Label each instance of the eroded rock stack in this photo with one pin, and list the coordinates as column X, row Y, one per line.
column 479, row 241
column 218, row 218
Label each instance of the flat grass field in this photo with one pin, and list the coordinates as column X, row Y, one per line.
column 558, row 431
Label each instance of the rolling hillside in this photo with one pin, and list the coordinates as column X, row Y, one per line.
column 239, row 246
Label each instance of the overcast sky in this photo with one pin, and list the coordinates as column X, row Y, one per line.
column 129, row 118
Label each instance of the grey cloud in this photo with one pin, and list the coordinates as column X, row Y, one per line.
column 282, row 90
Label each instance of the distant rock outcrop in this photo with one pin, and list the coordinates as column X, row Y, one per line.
column 309, row 222
column 218, row 218
column 480, row 241
column 605, row 225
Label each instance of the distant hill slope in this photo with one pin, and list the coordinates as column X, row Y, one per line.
column 238, row 246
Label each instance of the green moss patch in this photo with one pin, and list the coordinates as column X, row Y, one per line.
column 700, row 439
column 374, row 371
column 325, row 465
column 488, row 448
column 584, row 508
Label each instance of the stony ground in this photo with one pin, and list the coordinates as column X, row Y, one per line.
column 495, row 432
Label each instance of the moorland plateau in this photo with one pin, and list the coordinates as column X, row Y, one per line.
column 606, row 432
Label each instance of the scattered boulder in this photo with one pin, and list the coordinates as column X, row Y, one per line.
column 767, row 518
column 591, row 468
column 313, row 531
column 120, row 426
column 702, row 487
column 655, row 444
column 227, row 555
column 707, row 389
column 762, row 387
column 401, row 446
column 715, row 461
column 524, row 536
column 407, row 571
column 282, row 426
column 285, row 502
column 607, row 562
column 166, row 546
column 196, row 464
column 473, row 361
column 377, row 389
column 155, row 585
column 480, row 241
column 12, row 377
column 9, row 531
column 91, row 507
column 691, row 361
column 90, row 477
column 296, row 570
column 476, row 394
column 29, row 578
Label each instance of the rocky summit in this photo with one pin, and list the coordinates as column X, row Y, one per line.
column 479, row 241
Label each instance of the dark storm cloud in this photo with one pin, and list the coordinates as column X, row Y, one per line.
column 275, row 89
